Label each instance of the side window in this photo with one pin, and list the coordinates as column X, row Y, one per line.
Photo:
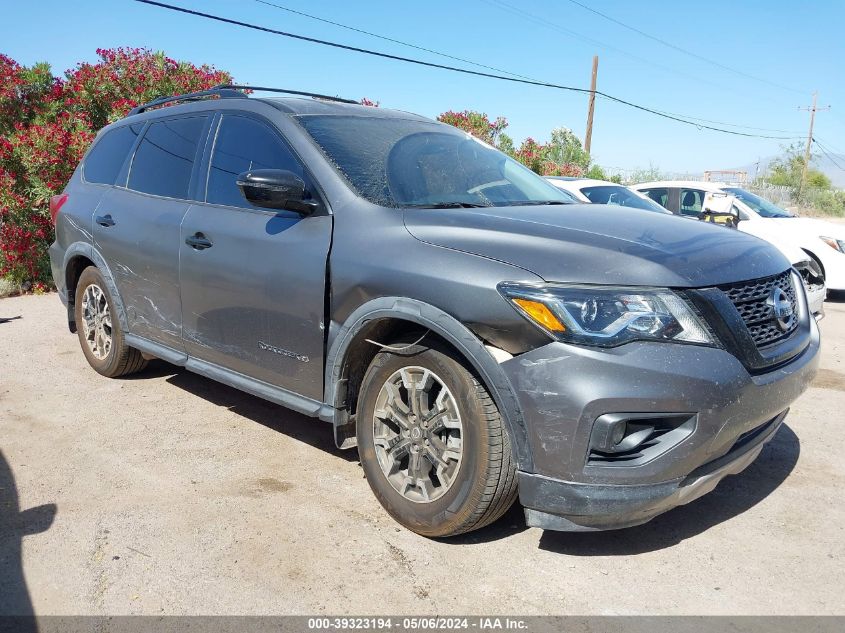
column 103, row 163
column 660, row 196
column 165, row 158
column 692, row 201
column 243, row 144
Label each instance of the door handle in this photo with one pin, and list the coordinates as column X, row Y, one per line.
column 198, row 242
column 105, row 220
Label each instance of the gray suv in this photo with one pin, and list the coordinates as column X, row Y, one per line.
column 476, row 335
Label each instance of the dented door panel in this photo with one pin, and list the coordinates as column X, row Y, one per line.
column 141, row 244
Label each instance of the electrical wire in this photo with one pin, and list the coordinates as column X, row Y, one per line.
column 797, row 133
column 829, row 147
column 465, row 71
column 468, row 61
column 545, row 22
column 387, row 39
column 683, row 50
column 829, row 155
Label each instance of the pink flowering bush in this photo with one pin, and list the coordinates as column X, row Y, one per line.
column 47, row 123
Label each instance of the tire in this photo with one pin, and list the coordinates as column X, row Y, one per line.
column 477, row 487
column 100, row 335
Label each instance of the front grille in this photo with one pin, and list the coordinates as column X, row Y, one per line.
column 750, row 300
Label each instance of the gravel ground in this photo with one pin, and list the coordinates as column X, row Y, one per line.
column 175, row 495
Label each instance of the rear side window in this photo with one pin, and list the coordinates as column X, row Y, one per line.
column 165, row 158
column 243, row 144
column 660, row 196
column 104, row 161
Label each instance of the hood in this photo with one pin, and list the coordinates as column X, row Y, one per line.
column 601, row 244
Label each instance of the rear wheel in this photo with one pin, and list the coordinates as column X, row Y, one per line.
column 99, row 331
column 432, row 443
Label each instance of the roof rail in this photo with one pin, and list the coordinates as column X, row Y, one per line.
column 227, row 91
column 224, row 92
column 284, row 91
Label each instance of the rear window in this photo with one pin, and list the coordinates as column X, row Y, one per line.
column 165, row 158
column 620, row 196
column 660, row 196
column 106, row 158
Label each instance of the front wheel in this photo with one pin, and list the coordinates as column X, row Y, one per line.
column 432, row 443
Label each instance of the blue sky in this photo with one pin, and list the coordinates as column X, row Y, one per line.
column 797, row 45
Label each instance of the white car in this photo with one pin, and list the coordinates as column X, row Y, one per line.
column 604, row 192
column 823, row 241
column 659, row 197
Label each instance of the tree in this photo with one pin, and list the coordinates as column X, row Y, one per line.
column 647, row 174
column 47, row 123
column 563, row 155
column 565, row 148
column 787, row 169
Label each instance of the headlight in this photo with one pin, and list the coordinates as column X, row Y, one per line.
column 607, row 316
column 838, row 245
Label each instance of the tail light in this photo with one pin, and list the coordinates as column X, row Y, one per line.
column 56, row 203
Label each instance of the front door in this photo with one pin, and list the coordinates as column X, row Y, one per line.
column 253, row 280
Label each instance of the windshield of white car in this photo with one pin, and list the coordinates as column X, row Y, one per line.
column 620, row 196
column 763, row 207
column 409, row 163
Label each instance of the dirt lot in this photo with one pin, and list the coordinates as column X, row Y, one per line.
column 176, row 495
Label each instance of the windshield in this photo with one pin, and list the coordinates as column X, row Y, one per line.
column 762, row 206
column 621, row 196
column 402, row 163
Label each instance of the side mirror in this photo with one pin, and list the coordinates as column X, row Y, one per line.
column 275, row 189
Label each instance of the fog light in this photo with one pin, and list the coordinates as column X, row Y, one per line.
column 632, row 438
column 618, row 433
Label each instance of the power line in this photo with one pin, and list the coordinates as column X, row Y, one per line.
column 736, row 125
column 829, row 146
column 683, row 50
column 387, row 39
column 545, row 22
column 507, row 72
column 828, row 154
column 465, row 71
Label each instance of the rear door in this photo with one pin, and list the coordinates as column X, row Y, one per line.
column 136, row 226
column 253, row 280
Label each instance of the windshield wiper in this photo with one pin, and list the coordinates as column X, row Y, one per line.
column 530, row 203
column 448, row 205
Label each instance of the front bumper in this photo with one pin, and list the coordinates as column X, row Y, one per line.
column 563, row 389
column 573, row 507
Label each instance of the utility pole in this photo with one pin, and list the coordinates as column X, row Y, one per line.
column 588, row 137
column 812, row 109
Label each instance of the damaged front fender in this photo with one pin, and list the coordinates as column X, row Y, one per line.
column 343, row 340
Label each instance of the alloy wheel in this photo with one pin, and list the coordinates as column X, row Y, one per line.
column 96, row 321
column 417, row 433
